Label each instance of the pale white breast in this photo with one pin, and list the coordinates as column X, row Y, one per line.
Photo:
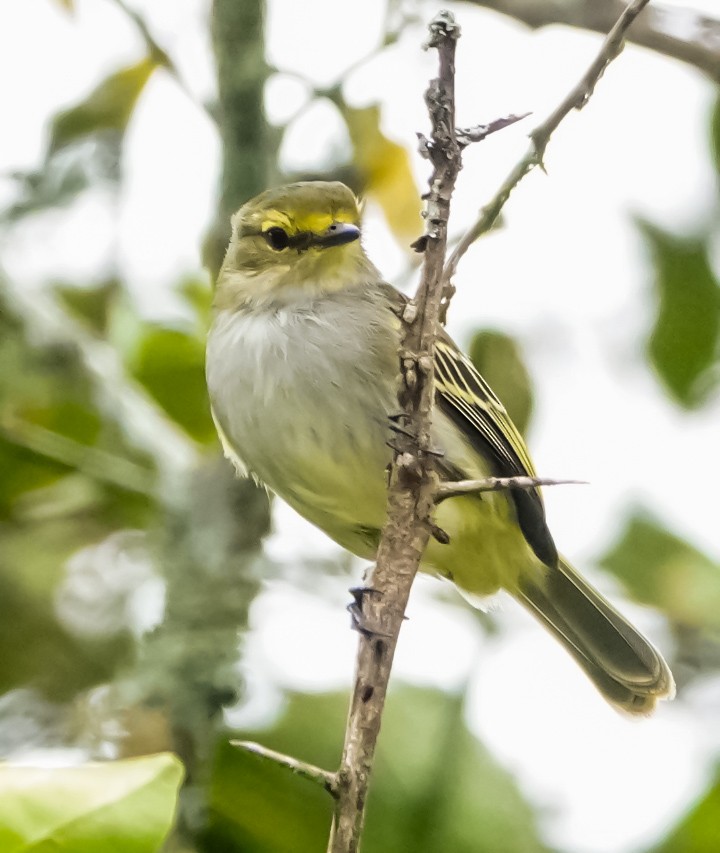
column 302, row 395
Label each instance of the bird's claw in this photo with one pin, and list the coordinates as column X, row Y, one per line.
column 361, row 621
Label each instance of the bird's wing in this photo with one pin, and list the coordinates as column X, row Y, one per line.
column 465, row 397
column 460, row 386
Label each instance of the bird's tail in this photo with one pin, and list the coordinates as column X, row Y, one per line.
column 629, row 672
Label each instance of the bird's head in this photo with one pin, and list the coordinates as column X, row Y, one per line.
column 295, row 240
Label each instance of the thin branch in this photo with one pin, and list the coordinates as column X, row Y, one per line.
column 466, row 135
column 699, row 45
column 380, row 609
column 540, row 136
column 299, row 768
column 496, row 484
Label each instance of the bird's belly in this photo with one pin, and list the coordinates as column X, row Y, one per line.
column 317, row 439
column 315, row 432
column 335, row 475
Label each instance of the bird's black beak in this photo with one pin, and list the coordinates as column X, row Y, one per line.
column 337, row 234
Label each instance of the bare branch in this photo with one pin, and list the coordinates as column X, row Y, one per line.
column 540, row 136
column 299, row 768
column 496, row 484
column 380, row 609
column 699, row 45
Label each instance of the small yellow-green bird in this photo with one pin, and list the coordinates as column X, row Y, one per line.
column 302, row 362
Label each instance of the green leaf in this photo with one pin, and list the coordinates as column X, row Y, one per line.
column 198, row 295
column 107, row 108
column 685, row 341
column 661, row 569
column 171, row 365
column 121, row 806
column 697, row 832
column 91, row 304
column 498, row 358
column 70, row 167
column 54, row 185
column 64, row 462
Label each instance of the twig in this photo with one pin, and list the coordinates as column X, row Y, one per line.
column 699, row 44
column 495, row 484
column 299, row 768
column 466, row 135
column 540, row 136
column 412, row 479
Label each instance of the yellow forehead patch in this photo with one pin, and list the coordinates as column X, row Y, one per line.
column 275, row 218
column 313, row 222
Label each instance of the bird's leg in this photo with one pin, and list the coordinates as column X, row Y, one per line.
column 401, row 430
column 439, row 534
column 398, row 429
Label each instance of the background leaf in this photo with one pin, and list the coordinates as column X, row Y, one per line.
column 170, row 364
column 697, row 831
column 107, row 108
column 661, row 569
column 685, row 339
column 121, row 806
column 386, row 174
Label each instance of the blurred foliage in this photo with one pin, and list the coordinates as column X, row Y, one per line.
column 169, row 363
column 57, row 494
column 84, row 144
column 165, row 359
column 697, row 832
column 684, row 346
column 107, row 108
column 436, row 787
column 661, row 569
column 92, row 305
column 126, row 806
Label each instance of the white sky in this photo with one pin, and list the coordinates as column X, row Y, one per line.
column 567, row 276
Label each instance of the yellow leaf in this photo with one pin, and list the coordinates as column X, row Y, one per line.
column 386, row 172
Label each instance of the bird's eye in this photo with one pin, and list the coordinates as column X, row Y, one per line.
column 277, row 238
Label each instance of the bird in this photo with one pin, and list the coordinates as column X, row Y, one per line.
column 302, row 365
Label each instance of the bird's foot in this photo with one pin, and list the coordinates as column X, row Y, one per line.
column 361, row 621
